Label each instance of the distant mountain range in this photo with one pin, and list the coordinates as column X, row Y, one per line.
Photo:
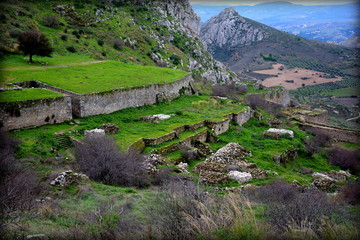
column 246, row 45
column 329, row 23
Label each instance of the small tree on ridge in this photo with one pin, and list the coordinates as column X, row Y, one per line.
column 34, row 43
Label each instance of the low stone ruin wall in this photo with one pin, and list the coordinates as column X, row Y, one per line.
column 117, row 99
column 278, row 96
column 336, row 134
column 36, row 112
column 219, row 127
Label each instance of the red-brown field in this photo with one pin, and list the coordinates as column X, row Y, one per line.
column 293, row 78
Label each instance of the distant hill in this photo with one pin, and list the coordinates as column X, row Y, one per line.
column 329, row 23
column 247, row 45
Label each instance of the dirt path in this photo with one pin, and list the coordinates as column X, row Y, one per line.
column 68, row 129
column 354, row 118
column 56, row 66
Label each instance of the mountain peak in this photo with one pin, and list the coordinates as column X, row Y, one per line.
column 228, row 12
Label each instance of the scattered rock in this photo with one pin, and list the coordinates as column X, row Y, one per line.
column 67, row 178
column 203, row 149
column 209, row 166
column 232, row 153
column 230, row 168
column 183, row 167
column 286, row 156
column 152, row 161
column 110, row 128
column 94, row 133
column 324, row 184
column 278, row 132
column 273, row 122
column 338, row 175
column 306, row 171
column 240, row 177
column 36, row 236
column 212, row 177
column 257, row 173
column 155, row 118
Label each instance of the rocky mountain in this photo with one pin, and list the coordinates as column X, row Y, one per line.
column 247, row 45
column 328, row 23
column 162, row 33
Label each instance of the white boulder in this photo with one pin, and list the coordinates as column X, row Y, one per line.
column 280, row 132
column 240, row 177
column 94, row 133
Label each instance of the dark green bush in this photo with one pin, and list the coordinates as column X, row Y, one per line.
column 64, row 37
column 100, row 42
column 71, row 49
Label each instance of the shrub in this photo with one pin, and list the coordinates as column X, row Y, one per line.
column 228, row 91
column 344, row 158
column 350, row 193
column 313, row 145
column 71, row 49
column 51, row 21
column 256, row 101
column 100, row 42
column 18, row 184
column 101, row 159
column 286, row 205
column 118, row 45
column 64, row 37
column 15, row 33
column 175, row 59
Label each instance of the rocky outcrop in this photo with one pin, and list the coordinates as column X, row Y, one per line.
column 67, row 178
column 240, row 177
column 179, row 17
column 228, row 30
column 110, row 128
column 286, row 156
column 232, row 153
column 326, row 181
column 151, row 162
column 94, row 133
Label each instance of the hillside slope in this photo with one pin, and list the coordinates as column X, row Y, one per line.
column 245, row 45
column 163, row 33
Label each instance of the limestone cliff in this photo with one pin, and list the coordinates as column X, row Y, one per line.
column 229, row 29
column 178, row 16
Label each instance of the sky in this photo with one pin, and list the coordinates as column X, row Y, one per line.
column 254, row 2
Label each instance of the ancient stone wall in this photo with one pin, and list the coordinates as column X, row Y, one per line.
column 219, row 127
column 278, row 96
column 117, row 99
column 36, row 112
column 243, row 116
column 336, row 134
column 318, row 117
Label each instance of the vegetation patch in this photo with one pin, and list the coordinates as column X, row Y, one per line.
column 97, row 77
column 27, row 94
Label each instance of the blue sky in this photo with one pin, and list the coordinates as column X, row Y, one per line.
column 254, row 2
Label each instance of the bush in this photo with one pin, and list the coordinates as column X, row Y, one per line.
column 256, row 101
column 51, row 21
column 344, row 158
column 100, row 42
column 64, row 37
column 175, row 59
column 15, row 33
column 101, row 159
column 71, row 49
column 313, row 145
column 228, row 91
column 118, row 45
column 287, row 205
column 350, row 193
column 18, row 184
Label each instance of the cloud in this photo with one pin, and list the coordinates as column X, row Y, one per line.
column 254, row 2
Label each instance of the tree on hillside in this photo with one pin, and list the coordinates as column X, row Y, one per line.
column 34, row 43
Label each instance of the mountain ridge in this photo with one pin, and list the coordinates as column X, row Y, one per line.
column 242, row 44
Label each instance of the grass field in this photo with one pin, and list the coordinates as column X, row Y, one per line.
column 27, row 94
column 19, row 61
column 97, row 77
